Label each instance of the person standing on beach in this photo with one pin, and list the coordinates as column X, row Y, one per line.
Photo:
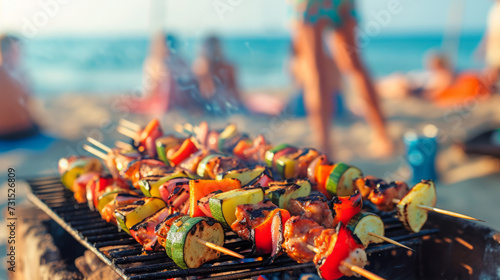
column 337, row 17
column 493, row 44
column 217, row 77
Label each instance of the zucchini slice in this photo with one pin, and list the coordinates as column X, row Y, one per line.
column 280, row 193
column 423, row 193
column 246, row 176
column 187, row 252
column 223, row 205
column 171, row 233
column 341, row 181
column 363, row 223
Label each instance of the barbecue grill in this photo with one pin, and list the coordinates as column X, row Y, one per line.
column 447, row 248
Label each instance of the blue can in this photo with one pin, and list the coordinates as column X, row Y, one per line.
column 421, row 150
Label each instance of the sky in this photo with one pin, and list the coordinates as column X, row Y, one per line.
column 196, row 17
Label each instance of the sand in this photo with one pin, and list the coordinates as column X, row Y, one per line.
column 468, row 184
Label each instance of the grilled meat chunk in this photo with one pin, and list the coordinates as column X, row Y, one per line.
column 382, row 196
column 314, row 207
column 300, row 232
column 249, row 216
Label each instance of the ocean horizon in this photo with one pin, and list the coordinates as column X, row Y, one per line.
column 63, row 64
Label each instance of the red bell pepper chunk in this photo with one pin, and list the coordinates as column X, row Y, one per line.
column 263, row 233
column 345, row 207
column 185, row 150
column 329, row 268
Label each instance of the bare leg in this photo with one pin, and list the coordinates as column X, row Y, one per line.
column 344, row 46
column 317, row 99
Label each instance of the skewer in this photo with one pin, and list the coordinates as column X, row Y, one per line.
column 127, row 132
column 354, row 268
column 442, row 211
column 179, row 128
column 361, row 271
column 130, row 125
column 219, row 248
column 124, row 146
column 99, row 144
column 390, row 241
column 95, row 152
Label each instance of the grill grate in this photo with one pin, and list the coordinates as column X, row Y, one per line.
column 124, row 255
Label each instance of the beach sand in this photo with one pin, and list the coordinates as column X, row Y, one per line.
column 468, row 184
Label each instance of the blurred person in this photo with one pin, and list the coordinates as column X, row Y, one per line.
column 437, row 76
column 15, row 119
column 217, row 77
column 297, row 67
column 337, row 17
column 165, row 73
column 493, row 44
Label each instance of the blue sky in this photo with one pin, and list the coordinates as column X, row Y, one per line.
column 196, row 17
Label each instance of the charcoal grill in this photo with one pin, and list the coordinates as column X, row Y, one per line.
column 446, row 248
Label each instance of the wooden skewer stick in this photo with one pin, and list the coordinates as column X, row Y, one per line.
column 390, row 241
column 361, row 271
column 99, row 144
column 124, row 146
column 444, row 212
column 95, row 152
column 179, row 128
column 220, row 249
column 128, row 124
column 127, row 132
column 354, row 268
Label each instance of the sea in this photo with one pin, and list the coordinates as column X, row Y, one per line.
column 113, row 65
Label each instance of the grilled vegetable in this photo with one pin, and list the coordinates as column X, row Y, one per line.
column 201, row 188
column 120, row 200
column 229, row 138
column 341, row 180
column 162, row 229
column 187, row 252
column 345, row 207
column 322, row 174
column 423, row 193
column 280, row 193
column 144, row 232
column 273, row 154
column 329, row 258
column 277, row 234
column 363, row 223
column 150, row 187
column 171, row 233
column 312, row 169
column 72, row 168
column 129, row 216
column 204, row 204
column 263, row 236
column 260, row 175
column 110, row 196
column 241, row 148
column 295, row 165
column 183, row 152
column 164, row 144
column 223, row 205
